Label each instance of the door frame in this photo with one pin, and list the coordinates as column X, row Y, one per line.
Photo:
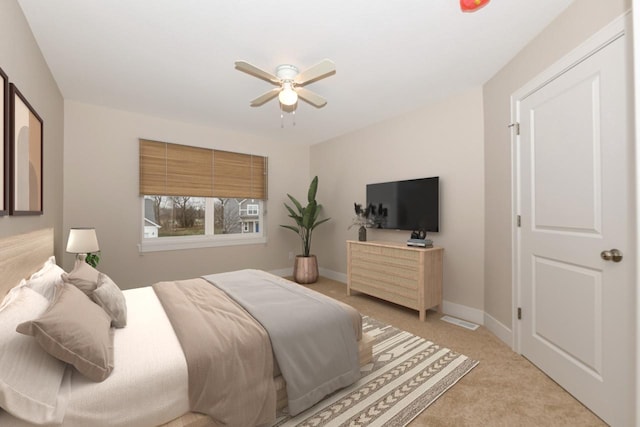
column 616, row 29
column 636, row 80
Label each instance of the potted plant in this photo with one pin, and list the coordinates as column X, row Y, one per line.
column 93, row 258
column 305, row 269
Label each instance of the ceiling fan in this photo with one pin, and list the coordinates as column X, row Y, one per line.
column 290, row 82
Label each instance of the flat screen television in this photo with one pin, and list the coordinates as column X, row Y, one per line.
column 413, row 204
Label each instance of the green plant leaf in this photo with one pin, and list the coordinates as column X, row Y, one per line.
column 316, row 213
column 313, row 189
column 322, row 221
column 310, row 215
column 296, row 203
column 291, row 227
column 292, row 213
column 93, row 259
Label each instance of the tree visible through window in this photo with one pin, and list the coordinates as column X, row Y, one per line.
column 168, row 216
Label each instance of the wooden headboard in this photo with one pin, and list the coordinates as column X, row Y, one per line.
column 22, row 255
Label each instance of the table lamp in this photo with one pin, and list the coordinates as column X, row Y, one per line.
column 82, row 241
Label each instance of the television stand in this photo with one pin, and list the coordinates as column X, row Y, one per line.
column 405, row 275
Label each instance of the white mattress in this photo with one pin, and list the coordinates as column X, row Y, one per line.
column 149, row 382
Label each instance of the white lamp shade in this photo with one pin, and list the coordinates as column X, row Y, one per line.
column 82, row 241
column 287, row 95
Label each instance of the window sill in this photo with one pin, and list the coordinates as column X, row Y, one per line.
column 196, row 242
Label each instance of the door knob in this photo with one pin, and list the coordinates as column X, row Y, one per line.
column 612, row 255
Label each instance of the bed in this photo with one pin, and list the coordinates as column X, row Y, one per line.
column 150, row 368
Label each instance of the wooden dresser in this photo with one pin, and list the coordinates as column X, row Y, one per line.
column 398, row 273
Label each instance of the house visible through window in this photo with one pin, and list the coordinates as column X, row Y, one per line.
column 170, row 216
column 252, row 209
column 220, row 201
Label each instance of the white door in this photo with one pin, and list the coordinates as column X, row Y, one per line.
column 574, row 190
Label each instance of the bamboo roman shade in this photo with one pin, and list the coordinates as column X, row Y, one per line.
column 180, row 170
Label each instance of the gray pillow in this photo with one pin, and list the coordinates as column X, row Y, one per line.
column 83, row 276
column 109, row 296
column 76, row 331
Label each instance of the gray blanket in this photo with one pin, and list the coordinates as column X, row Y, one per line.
column 312, row 336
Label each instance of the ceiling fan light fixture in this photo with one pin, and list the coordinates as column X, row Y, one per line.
column 287, row 95
column 290, row 83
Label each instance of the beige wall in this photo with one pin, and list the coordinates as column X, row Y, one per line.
column 444, row 139
column 574, row 26
column 21, row 60
column 101, row 190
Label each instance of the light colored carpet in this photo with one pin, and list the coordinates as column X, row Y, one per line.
column 406, row 375
column 505, row 389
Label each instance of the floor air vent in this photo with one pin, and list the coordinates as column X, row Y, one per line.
column 459, row 322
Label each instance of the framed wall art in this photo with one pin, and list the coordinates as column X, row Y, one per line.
column 25, row 139
column 4, row 143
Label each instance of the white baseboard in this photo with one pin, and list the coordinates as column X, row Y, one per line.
column 333, row 275
column 498, row 329
column 463, row 312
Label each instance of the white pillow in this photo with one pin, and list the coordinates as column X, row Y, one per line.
column 34, row 386
column 11, row 295
column 44, row 281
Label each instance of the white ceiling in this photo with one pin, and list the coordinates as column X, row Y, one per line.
column 175, row 58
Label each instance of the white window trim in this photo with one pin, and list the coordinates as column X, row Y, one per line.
column 178, row 243
column 195, row 242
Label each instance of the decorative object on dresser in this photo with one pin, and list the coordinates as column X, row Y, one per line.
column 419, row 239
column 4, row 143
column 420, row 243
column 305, row 269
column 26, row 156
column 397, row 273
column 362, row 221
column 84, row 243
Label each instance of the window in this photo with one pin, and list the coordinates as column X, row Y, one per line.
column 195, row 197
column 253, row 210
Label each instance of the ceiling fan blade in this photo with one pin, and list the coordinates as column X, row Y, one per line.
column 323, row 69
column 257, row 72
column 311, row 97
column 265, row 97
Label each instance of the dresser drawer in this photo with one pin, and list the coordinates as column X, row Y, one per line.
column 403, row 257
column 392, row 275
column 378, row 289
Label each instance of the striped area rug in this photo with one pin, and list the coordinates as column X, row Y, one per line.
column 407, row 374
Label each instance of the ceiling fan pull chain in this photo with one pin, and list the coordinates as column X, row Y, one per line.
column 281, row 117
column 294, row 117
